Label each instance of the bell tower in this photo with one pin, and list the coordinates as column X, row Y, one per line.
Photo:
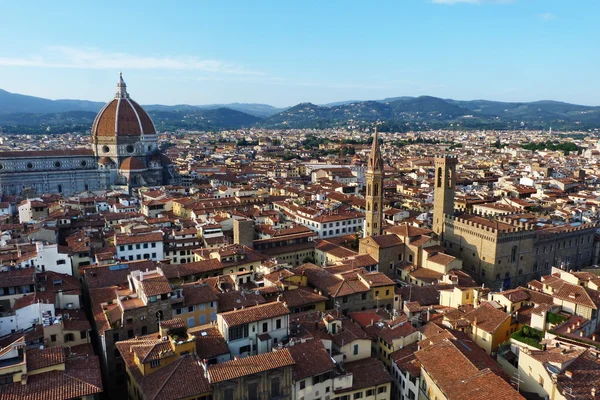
column 443, row 193
column 374, row 195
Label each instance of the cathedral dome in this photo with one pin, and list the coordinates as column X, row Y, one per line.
column 132, row 164
column 122, row 117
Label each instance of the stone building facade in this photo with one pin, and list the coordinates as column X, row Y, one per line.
column 504, row 251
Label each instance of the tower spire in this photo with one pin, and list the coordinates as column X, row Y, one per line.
column 121, row 88
column 375, row 159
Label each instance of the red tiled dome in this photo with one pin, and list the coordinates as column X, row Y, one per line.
column 122, row 117
column 132, row 164
column 105, row 160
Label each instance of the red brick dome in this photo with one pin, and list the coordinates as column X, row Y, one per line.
column 122, row 117
column 132, row 164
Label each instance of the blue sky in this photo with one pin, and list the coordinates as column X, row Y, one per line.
column 286, row 52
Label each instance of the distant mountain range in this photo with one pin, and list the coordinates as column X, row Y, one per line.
column 28, row 114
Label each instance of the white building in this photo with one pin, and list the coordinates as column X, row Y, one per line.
column 142, row 246
column 254, row 330
column 47, row 258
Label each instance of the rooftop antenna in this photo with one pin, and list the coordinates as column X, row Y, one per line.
column 337, row 308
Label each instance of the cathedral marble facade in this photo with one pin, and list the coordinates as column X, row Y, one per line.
column 124, row 154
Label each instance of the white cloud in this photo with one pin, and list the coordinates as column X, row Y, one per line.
column 546, row 16
column 70, row 57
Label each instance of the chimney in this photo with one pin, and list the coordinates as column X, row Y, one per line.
column 569, row 374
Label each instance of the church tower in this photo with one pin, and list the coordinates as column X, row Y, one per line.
column 374, row 198
column 443, row 194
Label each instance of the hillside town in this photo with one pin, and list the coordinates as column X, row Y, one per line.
column 338, row 264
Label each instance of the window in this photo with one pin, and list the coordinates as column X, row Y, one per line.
column 191, row 322
column 153, row 244
column 275, row 386
column 238, row 332
column 278, row 324
column 382, row 389
column 145, row 245
column 137, row 246
column 61, row 262
column 370, row 393
column 53, row 338
column 191, row 308
column 144, row 330
column 358, row 395
column 228, row 394
column 265, row 327
column 302, row 384
column 154, row 363
column 253, row 391
column 83, row 334
column 178, row 311
column 355, row 349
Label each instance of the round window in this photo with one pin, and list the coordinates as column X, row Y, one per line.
column 83, row 163
column 105, row 149
column 29, row 165
column 129, row 148
column 57, row 164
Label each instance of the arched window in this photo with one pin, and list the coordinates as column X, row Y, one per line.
column 449, row 177
column 375, row 207
column 369, row 189
column 439, row 177
column 376, row 190
column 513, row 254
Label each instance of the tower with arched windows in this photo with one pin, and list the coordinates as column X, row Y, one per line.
column 443, row 192
column 374, row 191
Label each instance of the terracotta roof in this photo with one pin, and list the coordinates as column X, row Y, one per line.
column 234, row 299
column 250, row 365
column 311, row 358
column 132, row 164
column 80, row 378
column 462, row 370
column 384, row 241
column 194, row 293
column 155, row 285
column 487, row 318
column 256, row 313
column 139, row 238
column 585, row 375
column 209, row 341
column 366, row 373
column 122, row 117
column 192, row 268
column 37, row 359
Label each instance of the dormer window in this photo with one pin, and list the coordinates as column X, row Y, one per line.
column 154, row 363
